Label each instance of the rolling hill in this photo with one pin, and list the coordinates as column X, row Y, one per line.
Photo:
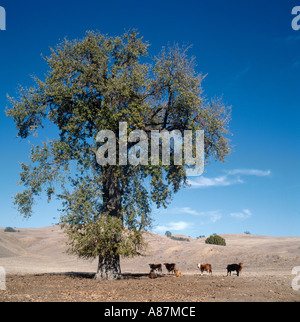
column 42, row 250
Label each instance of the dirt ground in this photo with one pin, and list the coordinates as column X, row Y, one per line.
column 35, row 264
column 139, row 288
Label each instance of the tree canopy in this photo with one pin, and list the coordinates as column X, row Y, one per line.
column 94, row 84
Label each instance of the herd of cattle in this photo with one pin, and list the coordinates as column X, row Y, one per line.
column 157, row 269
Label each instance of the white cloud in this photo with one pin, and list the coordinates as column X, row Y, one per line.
column 173, row 226
column 206, row 218
column 213, row 215
column 221, row 181
column 231, row 177
column 250, row 172
column 187, row 210
column 245, row 214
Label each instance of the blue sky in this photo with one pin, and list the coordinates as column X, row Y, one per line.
column 251, row 56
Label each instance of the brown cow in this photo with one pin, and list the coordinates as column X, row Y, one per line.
column 235, row 267
column 170, row 267
column 205, row 267
column 177, row 273
column 156, row 267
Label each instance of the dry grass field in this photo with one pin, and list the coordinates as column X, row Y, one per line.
column 38, row 269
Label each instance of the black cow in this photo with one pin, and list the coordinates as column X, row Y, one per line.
column 234, row 267
column 170, row 267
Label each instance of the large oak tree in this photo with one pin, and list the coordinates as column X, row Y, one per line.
column 93, row 84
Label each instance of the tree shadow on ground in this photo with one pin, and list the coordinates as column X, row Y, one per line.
column 89, row 275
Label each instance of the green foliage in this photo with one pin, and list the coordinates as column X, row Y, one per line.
column 92, row 85
column 168, row 233
column 179, row 238
column 216, row 240
column 105, row 236
column 10, row 230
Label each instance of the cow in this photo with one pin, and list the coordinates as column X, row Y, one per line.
column 170, row 267
column 235, row 267
column 205, row 267
column 177, row 273
column 156, row 267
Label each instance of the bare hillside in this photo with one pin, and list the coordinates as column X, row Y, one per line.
column 42, row 250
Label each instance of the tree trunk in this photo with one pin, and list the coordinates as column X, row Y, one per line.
column 112, row 198
column 109, row 268
column 109, row 265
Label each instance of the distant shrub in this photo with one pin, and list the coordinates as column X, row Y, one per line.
column 247, row 232
column 179, row 238
column 200, row 236
column 168, row 233
column 216, row 240
column 10, row 230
